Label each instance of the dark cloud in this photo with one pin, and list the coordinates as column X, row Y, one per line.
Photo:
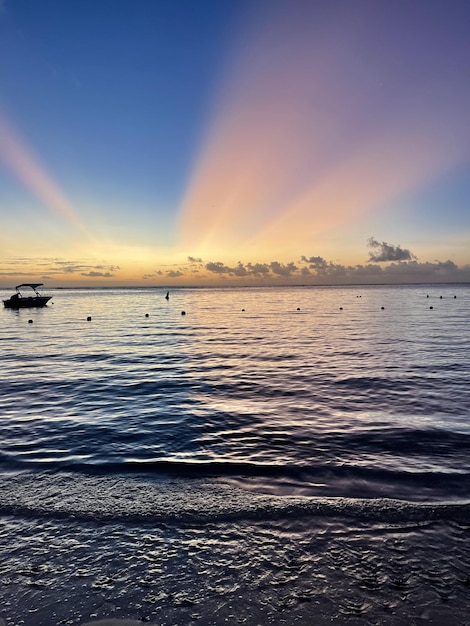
column 218, row 267
column 94, row 274
column 314, row 262
column 11, row 273
column 152, row 275
column 193, row 259
column 110, row 268
column 382, row 252
column 413, row 271
column 258, row 269
column 51, row 268
column 72, row 269
column 254, row 270
column 240, row 270
column 334, row 271
column 68, row 267
column 316, row 270
column 283, row 270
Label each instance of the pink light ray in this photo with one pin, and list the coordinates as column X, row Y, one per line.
column 304, row 139
column 33, row 176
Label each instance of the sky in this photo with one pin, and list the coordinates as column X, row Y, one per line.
column 234, row 142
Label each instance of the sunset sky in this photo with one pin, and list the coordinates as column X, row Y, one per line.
column 184, row 142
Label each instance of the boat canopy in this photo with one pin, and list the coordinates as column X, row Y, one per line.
column 32, row 285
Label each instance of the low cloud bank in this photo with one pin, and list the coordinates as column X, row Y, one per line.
column 387, row 264
column 325, row 272
column 402, row 267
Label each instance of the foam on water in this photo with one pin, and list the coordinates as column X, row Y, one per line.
column 172, row 500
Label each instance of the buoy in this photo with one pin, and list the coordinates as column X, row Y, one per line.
column 340, row 308
column 298, row 308
column 440, row 297
column 455, row 297
column 88, row 319
column 146, row 315
column 243, row 309
column 30, row 321
column 430, row 307
column 382, row 307
column 183, row 312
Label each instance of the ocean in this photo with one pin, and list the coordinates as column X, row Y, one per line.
column 236, row 456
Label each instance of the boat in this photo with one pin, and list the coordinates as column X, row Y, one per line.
column 20, row 301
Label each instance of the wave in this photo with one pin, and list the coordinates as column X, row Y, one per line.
column 330, row 479
column 142, row 499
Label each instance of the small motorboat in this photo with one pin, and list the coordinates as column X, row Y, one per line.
column 20, row 301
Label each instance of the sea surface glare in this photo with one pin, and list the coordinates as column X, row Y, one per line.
column 273, row 456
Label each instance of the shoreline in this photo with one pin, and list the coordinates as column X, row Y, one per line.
column 265, row 571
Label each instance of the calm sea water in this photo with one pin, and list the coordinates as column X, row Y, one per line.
column 271, row 455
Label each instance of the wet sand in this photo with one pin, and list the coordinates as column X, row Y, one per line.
column 293, row 572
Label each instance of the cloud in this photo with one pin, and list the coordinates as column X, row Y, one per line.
column 283, row 270
column 152, row 275
column 258, row 269
column 91, row 271
column 383, row 252
column 315, row 262
column 218, row 267
column 193, row 259
column 249, row 269
column 403, row 267
column 94, row 274
column 71, row 269
column 240, row 270
column 413, row 271
column 53, row 269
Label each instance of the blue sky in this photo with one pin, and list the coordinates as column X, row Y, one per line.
column 228, row 142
